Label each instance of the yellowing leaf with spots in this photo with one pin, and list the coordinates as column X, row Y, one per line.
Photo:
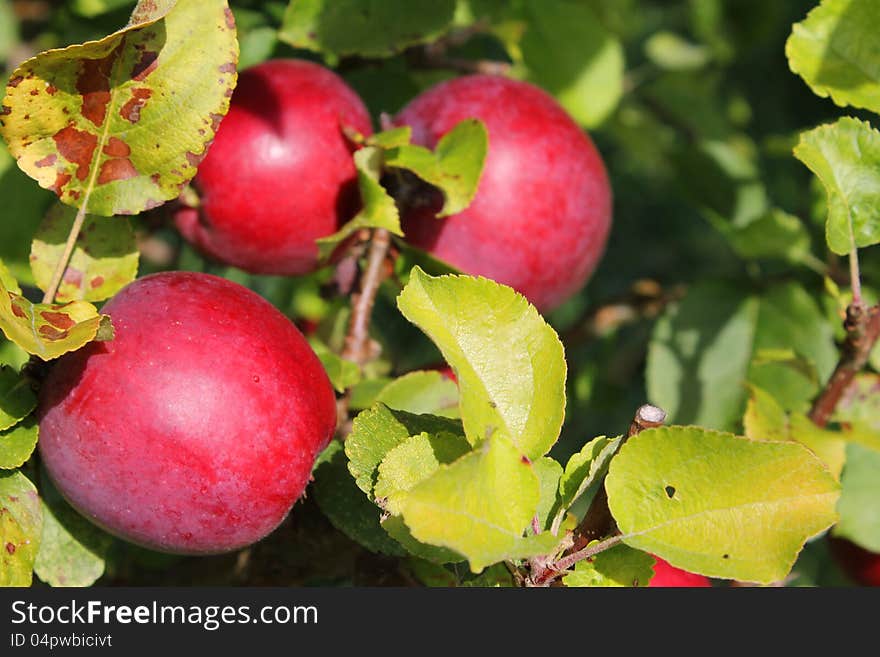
column 21, row 521
column 718, row 504
column 104, row 260
column 120, row 125
column 50, row 330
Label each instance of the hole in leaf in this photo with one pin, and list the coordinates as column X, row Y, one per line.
column 670, row 491
column 725, row 556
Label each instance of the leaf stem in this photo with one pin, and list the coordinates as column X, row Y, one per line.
column 855, row 277
column 58, row 274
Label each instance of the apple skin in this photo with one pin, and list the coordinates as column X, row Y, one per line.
column 542, row 212
column 668, row 576
column 861, row 566
column 195, row 429
column 279, row 173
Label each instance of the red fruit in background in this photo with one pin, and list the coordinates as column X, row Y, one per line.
column 279, row 173
column 861, row 565
column 667, row 575
column 541, row 216
column 195, row 429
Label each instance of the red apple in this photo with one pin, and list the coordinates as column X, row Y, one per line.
column 668, row 576
column 861, row 565
column 195, row 429
column 279, row 173
column 541, row 216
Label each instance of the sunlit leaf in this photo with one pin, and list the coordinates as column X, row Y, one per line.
column 834, row 49
column 50, row 330
column 121, row 124
column 104, row 260
column 454, row 167
column 20, row 526
column 480, row 506
column 846, row 157
column 510, row 363
column 717, row 504
column 378, row 208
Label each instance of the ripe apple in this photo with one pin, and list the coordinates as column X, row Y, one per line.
column 861, row 565
column 195, row 429
column 668, row 576
column 541, row 216
column 279, row 173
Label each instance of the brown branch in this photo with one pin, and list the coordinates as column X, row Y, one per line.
column 598, row 522
column 435, row 56
column 645, row 300
column 862, row 332
column 359, row 347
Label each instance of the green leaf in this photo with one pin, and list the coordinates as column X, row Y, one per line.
column 378, row 430
column 373, row 28
column 398, row 530
column 343, row 373
column 775, row 234
column 346, row 507
column 92, row 8
column 391, row 138
column 8, row 29
column 764, row 419
column 422, row 392
column 846, row 158
column 549, row 472
column 378, row 208
column 567, row 51
column 858, row 508
column 454, row 167
column 26, row 202
column 789, row 319
column 718, row 504
column 836, row 53
column 699, row 361
column 104, row 260
column 672, row 52
column 583, row 474
column 618, row 566
column 17, row 397
column 49, row 330
column 411, row 462
column 20, row 526
column 119, row 125
column 479, row 506
column 829, row 446
column 72, row 549
column 8, row 280
column 17, row 443
column 510, row 363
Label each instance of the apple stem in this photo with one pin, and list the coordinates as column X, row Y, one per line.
column 58, row 274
